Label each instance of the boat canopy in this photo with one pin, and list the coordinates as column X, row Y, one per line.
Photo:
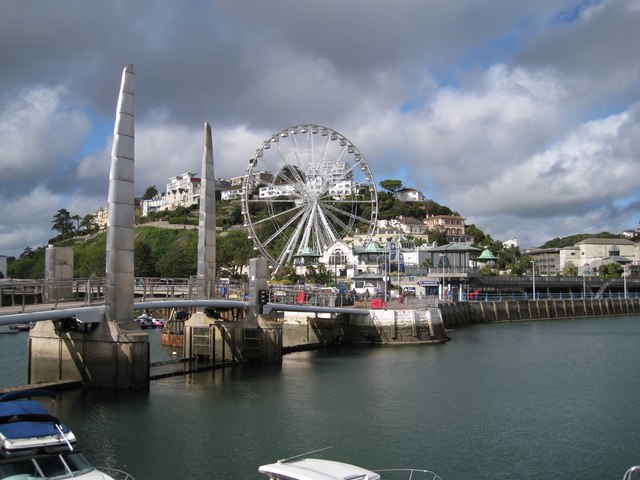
column 26, row 426
column 316, row 469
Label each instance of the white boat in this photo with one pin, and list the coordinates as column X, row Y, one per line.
column 34, row 445
column 297, row 468
column 632, row 474
column 301, row 467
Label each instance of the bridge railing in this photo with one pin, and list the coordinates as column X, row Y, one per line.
column 90, row 291
column 17, row 292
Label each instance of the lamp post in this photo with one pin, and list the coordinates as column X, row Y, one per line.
column 385, row 274
column 384, row 277
column 534, row 278
column 441, row 255
column 399, row 288
column 624, row 279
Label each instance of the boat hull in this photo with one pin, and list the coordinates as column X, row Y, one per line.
column 172, row 339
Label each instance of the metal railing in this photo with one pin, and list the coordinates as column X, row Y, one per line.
column 90, row 291
column 14, row 292
column 512, row 296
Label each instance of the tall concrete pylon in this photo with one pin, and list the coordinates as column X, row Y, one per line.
column 207, row 221
column 116, row 354
column 120, row 235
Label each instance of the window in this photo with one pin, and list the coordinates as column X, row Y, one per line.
column 337, row 258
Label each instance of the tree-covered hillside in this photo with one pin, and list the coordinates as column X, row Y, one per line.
column 158, row 252
column 573, row 239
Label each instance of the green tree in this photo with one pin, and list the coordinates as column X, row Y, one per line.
column 62, row 222
column 319, row 274
column 570, row 270
column 144, row 265
column 30, row 264
column 612, row 270
column 437, row 235
column 233, row 251
column 180, row 262
column 287, row 275
column 478, row 235
column 76, row 218
column 88, row 223
column 150, row 192
column 486, row 270
column 391, row 186
column 434, row 208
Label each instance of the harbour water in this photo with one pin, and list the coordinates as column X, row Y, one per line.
column 546, row 399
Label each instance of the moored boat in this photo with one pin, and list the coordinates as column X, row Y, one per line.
column 173, row 330
column 302, row 467
column 35, row 445
column 147, row 321
column 632, row 474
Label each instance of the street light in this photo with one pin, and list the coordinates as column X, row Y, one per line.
column 442, row 255
column 534, row 278
column 384, row 278
column 624, row 279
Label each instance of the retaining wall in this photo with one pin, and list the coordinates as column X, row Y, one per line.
column 300, row 331
column 458, row 314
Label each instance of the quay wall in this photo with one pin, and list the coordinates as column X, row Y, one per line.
column 301, row 331
column 467, row 313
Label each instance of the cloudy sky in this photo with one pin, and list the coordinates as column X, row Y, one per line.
column 522, row 116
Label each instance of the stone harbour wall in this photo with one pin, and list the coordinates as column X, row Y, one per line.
column 459, row 314
column 301, row 331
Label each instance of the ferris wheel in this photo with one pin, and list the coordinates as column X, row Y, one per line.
column 306, row 187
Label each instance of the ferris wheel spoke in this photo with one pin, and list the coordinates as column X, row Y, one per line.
column 337, row 221
column 283, row 228
column 293, row 169
column 290, row 248
column 328, row 232
column 271, row 218
column 309, row 221
column 345, row 213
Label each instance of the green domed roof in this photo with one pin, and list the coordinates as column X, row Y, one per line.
column 487, row 255
column 373, row 247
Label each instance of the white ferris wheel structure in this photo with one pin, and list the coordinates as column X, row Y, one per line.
column 306, row 187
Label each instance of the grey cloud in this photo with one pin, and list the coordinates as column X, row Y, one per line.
column 462, row 100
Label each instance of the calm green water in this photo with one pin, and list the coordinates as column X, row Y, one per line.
column 555, row 399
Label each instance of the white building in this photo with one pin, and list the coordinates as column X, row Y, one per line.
column 409, row 195
column 3, row 266
column 100, row 217
column 585, row 255
column 276, row 191
column 591, row 250
column 511, row 243
column 182, row 191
